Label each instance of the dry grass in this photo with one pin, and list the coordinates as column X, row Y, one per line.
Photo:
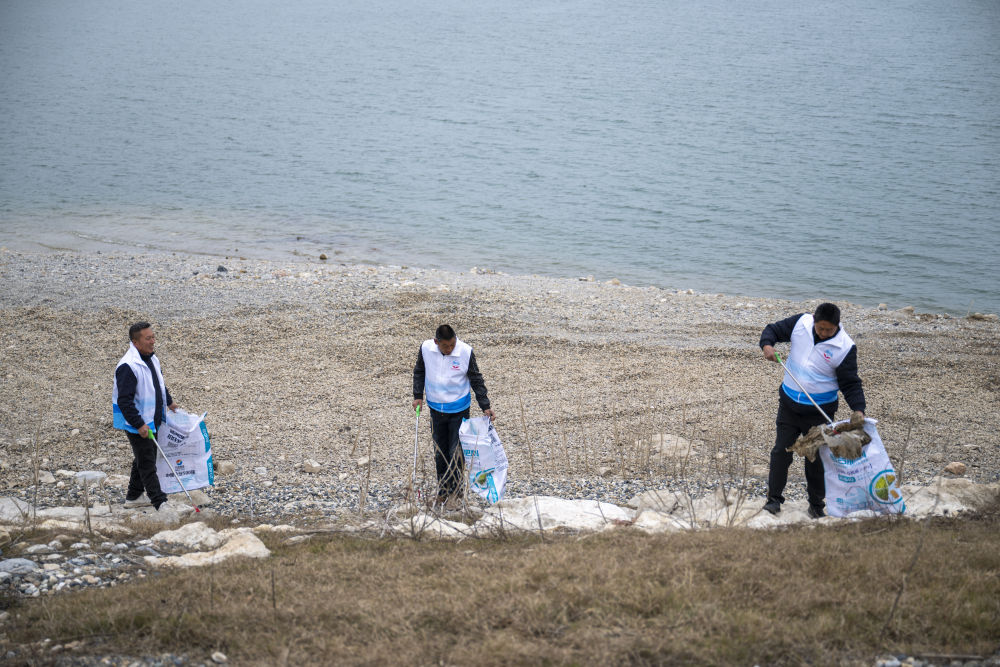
column 805, row 595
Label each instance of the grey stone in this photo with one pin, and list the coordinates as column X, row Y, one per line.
column 39, row 550
column 18, row 566
column 225, row 467
column 13, row 510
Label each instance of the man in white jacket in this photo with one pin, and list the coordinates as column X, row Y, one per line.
column 825, row 359
column 446, row 367
column 139, row 402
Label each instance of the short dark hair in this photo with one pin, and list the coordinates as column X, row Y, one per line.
column 827, row 312
column 133, row 331
column 444, row 332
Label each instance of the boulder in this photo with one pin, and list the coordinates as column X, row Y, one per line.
column 191, row 535
column 424, row 524
column 78, row 514
column 13, row 510
column 90, row 477
column 225, row 467
column 651, row 521
column 659, row 500
column 200, row 498
column 948, row 495
column 955, row 468
column 550, row 513
column 237, row 542
column 18, row 566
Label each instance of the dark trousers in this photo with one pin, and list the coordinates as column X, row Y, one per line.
column 448, row 458
column 143, row 477
column 793, row 421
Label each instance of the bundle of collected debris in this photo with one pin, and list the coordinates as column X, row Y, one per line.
column 845, row 441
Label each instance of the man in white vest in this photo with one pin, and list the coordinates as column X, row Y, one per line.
column 139, row 402
column 446, row 368
column 824, row 359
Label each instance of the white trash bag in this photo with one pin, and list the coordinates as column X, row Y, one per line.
column 184, row 440
column 866, row 483
column 484, row 458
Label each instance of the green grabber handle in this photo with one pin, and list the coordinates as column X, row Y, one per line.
column 418, row 410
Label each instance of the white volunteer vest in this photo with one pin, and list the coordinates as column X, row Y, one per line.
column 814, row 364
column 145, row 393
column 446, row 378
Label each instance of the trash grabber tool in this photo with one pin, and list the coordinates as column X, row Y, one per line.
column 151, row 434
column 416, row 439
column 803, row 390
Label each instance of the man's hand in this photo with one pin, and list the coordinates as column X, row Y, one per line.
column 489, row 413
column 144, row 431
column 417, row 402
column 173, row 407
column 769, row 352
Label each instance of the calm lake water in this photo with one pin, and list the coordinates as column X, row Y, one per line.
column 843, row 150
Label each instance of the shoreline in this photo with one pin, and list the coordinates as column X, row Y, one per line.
column 296, row 361
column 354, row 256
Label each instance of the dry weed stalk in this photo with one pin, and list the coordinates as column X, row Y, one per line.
column 86, row 506
column 902, row 455
column 363, row 488
column 916, row 556
column 35, row 464
column 524, row 429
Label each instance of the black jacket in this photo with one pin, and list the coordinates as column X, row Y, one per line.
column 847, row 371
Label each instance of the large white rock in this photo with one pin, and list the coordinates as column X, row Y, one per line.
column 311, row 465
column 424, row 524
column 549, row 513
column 237, row 543
column 947, row 495
column 18, row 566
column 108, row 526
column 78, row 514
column 658, row 500
column 13, row 510
column 90, row 477
column 651, row 521
column 194, row 535
column 200, row 498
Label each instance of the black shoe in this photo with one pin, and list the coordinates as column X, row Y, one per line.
column 772, row 506
column 816, row 512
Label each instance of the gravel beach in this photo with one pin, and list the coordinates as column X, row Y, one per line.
column 313, row 360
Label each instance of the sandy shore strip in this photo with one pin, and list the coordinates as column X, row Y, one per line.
column 313, row 360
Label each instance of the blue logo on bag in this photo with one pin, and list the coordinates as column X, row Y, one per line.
column 845, row 478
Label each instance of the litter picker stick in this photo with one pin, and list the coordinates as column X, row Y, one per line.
column 151, row 434
column 803, row 390
column 416, row 439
